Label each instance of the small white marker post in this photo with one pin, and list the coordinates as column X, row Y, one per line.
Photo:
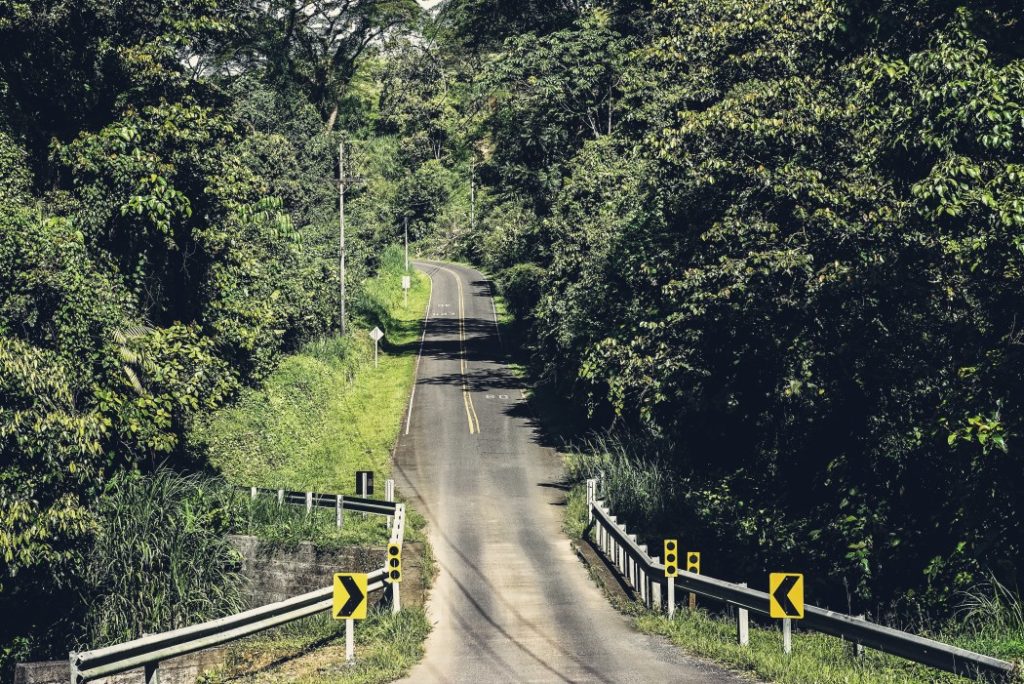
column 339, row 511
column 406, row 284
column 671, row 597
column 376, row 334
column 743, row 624
column 350, row 640
column 389, row 495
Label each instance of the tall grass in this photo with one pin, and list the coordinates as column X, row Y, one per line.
column 990, row 620
column 637, row 488
column 160, row 559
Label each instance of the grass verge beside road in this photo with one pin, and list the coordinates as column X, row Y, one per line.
column 325, row 413
column 312, row 651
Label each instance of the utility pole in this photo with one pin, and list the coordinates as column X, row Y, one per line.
column 341, row 221
column 406, row 244
column 472, row 196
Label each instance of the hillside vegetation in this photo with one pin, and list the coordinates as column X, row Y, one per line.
column 168, row 233
column 776, row 246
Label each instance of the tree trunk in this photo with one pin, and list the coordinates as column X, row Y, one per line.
column 331, row 119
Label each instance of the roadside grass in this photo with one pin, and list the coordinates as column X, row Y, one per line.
column 312, row 651
column 816, row 658
column 992, row 623
column 325, row 413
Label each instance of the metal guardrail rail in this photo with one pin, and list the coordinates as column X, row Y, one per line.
column 646, row 575
column 321, row 500
column 148, row 651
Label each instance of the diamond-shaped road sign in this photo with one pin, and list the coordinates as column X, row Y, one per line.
column 350, row 596
column 786, row 595
column 376, row 334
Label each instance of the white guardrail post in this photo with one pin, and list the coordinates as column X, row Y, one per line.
column 743, row 624
column 389, row 495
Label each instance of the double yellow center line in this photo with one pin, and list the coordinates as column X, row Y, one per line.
column 467, row 397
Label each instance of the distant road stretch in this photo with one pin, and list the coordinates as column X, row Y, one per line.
column 511, row 602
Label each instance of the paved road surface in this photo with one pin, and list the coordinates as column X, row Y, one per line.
column 511, row 602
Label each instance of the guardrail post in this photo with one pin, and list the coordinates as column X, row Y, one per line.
column 252, row 493
column 152, row 673
column 743, row 624
column 591, row 495
column 787, row 636
column 645, row 590
column 857, row 648
column 389, row 495
column 656, row 592
column 73, row 658
column 309, row 502
column 280, row 497
column 634, row 566
column 339, row 511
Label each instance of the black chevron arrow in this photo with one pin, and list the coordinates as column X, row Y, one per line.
column 355, row 596
column 781, row 595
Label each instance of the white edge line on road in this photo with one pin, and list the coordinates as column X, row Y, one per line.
column 423, row 338
column 494, row 310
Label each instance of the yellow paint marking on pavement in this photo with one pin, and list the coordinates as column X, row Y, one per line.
column 467, row 397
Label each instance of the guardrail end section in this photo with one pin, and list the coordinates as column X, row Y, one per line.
column 73, row 660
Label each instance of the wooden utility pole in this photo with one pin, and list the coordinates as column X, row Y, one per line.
column 472, row 196
column 341, row 221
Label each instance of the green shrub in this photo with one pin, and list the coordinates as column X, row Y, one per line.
column 160, row 560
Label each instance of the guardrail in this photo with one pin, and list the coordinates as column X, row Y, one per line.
column 148, row 651
column 337, row 501
column 645, row 574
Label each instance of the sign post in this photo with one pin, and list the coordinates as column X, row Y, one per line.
column 406, row 284
column 786, row 603
column 394, row 576
column 693, row 565
column 364, row 482
column 671, row 570
column 350, row 599
column 376, row 334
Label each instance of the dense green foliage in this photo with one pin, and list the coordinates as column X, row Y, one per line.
column 160, row 558
column 168, row 229
column 779, row 244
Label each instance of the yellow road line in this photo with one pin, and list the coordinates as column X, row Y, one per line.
column 467, row 397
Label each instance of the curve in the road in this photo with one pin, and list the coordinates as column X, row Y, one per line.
column 511, row 602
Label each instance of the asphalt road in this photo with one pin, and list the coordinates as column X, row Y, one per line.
column 511, row 602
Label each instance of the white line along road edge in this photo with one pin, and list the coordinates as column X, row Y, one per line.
column 423, row 337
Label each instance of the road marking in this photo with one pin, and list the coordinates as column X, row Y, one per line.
column 423, row 337
column 467, row 397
